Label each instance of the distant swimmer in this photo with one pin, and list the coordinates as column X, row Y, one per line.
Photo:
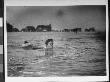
column 49, row 48
column 26, row 43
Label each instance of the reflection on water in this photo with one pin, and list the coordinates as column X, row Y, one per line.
column 73, row 54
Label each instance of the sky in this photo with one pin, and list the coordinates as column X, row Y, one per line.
column 60, row 17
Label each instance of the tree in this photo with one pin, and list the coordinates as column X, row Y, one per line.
column 10, row 28
column 15, row 30
column 29, row 29
column 43, row 28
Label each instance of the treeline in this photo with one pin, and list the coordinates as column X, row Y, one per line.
column 39, row 28
column 46, row 28
column 10, row 28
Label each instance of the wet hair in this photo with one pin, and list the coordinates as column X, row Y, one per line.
column 48, row 40
column 26, row 42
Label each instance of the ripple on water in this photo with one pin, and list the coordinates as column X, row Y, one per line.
column 74, row 55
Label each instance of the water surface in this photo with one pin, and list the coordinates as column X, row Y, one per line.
column 81, row 54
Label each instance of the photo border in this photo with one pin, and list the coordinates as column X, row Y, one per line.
column 63, row 3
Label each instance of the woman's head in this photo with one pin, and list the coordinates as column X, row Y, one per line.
column 26, row 42
column 49, row 42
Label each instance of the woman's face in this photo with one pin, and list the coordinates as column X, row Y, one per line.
column 50, row 43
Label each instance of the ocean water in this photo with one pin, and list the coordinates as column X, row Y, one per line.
column 81, row 54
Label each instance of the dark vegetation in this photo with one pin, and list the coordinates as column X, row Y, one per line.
column 43, row 28
column 92, row 29
column 39, row 28
column 10, row 28
column 28, row 29
column 46, row 28
column 101, row 35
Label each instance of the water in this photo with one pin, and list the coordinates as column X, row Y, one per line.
column 81, row 54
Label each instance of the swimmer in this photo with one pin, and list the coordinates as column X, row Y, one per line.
column 49, row 48
column 26, row 43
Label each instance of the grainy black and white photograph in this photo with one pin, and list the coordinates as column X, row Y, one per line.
column 63, row 41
